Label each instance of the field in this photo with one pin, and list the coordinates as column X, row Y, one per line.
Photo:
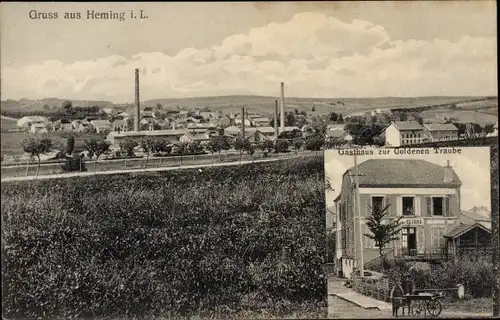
column 479, row 105
column 260, row 104
column 7, row 124
column 461, row 116
column 224, row 241
column 11, row 141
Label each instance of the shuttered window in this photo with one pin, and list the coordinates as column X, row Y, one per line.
column 428, row 206
column 447, row 206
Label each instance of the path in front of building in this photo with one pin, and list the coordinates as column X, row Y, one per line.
column 345, row 303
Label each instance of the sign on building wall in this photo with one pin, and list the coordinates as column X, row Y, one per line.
column 412, row 221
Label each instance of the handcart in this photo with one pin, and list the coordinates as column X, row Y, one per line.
column 426, row 303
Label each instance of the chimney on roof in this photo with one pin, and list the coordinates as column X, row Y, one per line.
column 137, row 102
column 448, row 172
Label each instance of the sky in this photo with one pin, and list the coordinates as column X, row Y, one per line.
column 319, row 49
column 472, row 167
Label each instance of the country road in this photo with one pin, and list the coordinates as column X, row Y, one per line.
column 84, row 174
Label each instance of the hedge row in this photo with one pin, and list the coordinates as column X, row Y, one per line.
column 173, row 243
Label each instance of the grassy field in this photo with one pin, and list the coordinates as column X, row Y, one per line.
column 479, row 105
column 7, row 124
column 226, row 241
column 11, row 141
column 461, row 116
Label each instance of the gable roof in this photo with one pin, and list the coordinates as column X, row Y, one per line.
column 440, row 127
column 464, row 228
column 100, row 123
column 399, row 173
column 407, row 125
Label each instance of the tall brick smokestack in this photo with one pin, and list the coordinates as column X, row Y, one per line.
column 137, row 111
column 276, row 118
column 282, row 114
column 243, row 122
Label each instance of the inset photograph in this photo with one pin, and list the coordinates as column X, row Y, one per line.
column 409, row 230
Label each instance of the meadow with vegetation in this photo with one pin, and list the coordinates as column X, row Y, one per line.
column 221, row 242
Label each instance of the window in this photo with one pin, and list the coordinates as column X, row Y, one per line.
column 377, row 203
column 418, row 134
column 437, row 206
column 408, row 206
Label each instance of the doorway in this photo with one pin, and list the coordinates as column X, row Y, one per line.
column 409, row 241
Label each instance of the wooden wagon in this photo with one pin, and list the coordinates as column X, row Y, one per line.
column 424, row 303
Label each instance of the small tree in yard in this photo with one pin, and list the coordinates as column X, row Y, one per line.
column 251, row 151
column 241, row 144
column 382, row 232
column 35, row 148
column 147, row 146
column 127, row 148
column 314, row 142
column 97, row 148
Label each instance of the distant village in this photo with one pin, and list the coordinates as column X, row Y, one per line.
column 380, row 127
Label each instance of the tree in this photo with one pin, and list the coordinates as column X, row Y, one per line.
column 161, row 147
column 296, row 111
column 147, row 146
column 340, row 119
column 289, row 119
column 241, row 144
column 72, row 164
column 383, row 231
column 214, row 146
column 334, row 117
column 251, row 151
column 127, row 148
column 266, row 146
column 182, row 148
column 280, row 146
column 313, row 108
column 159, row 106
column 194, row 147
column 314, row 142
column 35, row 148
column 298, row 143
column 67, row 105
column 97, row 148
column 70, row 145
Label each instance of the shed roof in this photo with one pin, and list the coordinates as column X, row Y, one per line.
column 464, row 228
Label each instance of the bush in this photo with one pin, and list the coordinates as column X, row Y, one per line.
column 165, row 244
column 76, row 163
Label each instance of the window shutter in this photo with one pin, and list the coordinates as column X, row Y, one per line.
column 417, row 206
column 399, row 209
column 428, row 206
column 387, row 201
column 367, row 206
column 447, row 206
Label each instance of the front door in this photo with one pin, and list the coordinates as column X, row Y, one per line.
column 409, row 239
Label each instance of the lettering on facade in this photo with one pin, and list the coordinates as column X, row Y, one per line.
column 412, row 221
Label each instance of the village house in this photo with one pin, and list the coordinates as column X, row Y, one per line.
column 338, row 136
column 38, row 128
column 62, row 125
column 425, row 195
column 441, row 131
column 260, row 122
column 27, row 121
column 203, row 128
column 172, row 136
column 100, row 126
column 120, row 125
column 209, row 115
column 402, row 133
column 189, row 137
column 81, row 125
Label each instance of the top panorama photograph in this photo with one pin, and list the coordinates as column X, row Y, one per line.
column 165, row 160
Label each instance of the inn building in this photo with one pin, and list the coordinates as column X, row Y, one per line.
column 424, row 194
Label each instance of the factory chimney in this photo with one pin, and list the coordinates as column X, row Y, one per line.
column 243, row 122
column 282, row 111
column 276, row 118
column 137, row 111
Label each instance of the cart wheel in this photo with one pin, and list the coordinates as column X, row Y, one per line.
column 434, row 307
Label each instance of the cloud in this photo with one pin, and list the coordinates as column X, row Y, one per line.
column 316, row 55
